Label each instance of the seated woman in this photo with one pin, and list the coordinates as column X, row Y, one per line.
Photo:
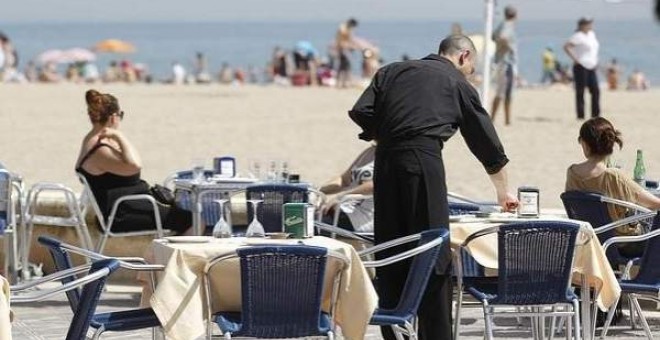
column 112, row 167
column 357, row 179
column 597, row 138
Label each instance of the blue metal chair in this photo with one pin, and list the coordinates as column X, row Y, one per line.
column 274, row 195
column 11, row 211
column 425, row 256
column 592, row 208
column 460, row 208
column 118, row 321
column 281, row 293
column 535, row 262
column 646, row 285
column 89, row 288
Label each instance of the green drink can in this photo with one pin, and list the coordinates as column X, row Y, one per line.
column 298, row 219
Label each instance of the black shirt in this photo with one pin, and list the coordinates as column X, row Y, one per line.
column 427, row 98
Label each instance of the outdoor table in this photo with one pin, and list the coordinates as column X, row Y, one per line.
column 5, row 322
column 198, row 190
column 179, row 302
column 590, row 267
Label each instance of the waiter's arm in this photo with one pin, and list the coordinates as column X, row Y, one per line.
column 363, row 112
column 482, row 140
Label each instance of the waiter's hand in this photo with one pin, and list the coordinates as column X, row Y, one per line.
column 508, row 202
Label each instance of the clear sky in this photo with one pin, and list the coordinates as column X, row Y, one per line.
column 16, row 11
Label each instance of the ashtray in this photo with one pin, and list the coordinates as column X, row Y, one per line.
column 278, row 235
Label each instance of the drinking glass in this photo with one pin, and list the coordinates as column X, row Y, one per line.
column 197, row 170
column 272, row 171
column 255, row 229
column 222, row 228
column 255, row 169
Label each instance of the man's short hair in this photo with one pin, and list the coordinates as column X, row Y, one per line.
column 455, row 44
column 352, row 22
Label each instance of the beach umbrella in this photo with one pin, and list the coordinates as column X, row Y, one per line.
column 114, row 46
column 80, row 54
column 52, row 56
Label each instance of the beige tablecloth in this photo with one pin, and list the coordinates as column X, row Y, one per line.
column 179, row 301
column 590, row 259
column 5, row 323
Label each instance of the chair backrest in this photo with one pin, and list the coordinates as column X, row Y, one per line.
column 88, row 200
column 274, row 196
column 649, row 271
column 589, row 207
column 535, row 261
column 62, row 261
column 281, row 289
column 5, row 199
column 459, row 208
column 419, row 273
column 89, row 299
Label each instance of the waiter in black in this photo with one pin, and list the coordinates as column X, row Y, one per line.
column 411, row 108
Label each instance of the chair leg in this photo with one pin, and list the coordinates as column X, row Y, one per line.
column 97, row 333
column 488, row 321
column 457, row 317
column 576, row 320
column 331, row 335
column 608, row 321
column 633, row 315
column 640, row 313
column 412, row 331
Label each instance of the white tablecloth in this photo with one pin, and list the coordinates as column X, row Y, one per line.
column 179, row 303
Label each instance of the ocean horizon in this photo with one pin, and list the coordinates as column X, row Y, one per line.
column 634, row 43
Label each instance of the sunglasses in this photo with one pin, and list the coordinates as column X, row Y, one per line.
column 120, row 114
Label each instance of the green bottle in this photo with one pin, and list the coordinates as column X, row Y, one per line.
column 639, row 174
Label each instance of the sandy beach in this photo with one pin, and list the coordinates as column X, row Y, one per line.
column 42, row 126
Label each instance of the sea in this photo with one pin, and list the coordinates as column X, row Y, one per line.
column 634, row 43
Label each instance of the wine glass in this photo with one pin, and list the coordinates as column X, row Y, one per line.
column 255, row 169
column 222, row 228
column 255, row 229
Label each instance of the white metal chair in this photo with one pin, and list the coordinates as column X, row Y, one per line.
column 75, row 217
column 87, row 199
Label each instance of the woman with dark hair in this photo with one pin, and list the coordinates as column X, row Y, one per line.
column 597, row 138
column 112, row 165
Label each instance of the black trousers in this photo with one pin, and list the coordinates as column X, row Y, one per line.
column 584, row 77
column 410, row 196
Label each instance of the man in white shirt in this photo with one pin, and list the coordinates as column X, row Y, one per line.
column 582, row 48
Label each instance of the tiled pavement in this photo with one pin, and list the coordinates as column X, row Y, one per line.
column 50, row 320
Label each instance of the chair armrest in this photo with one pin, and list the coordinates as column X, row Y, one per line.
column 402, row 256
column 625, row 275
column 124, row 262
column 342, row 232
column 46, row 293
column 389, row 244
column 625, row 204
column 140, row 197
column 625, row 221
column 630, row 239
column 49, row 278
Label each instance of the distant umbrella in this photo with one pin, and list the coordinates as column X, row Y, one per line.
column 68, row 56
column 114, row 46
column 80, row 54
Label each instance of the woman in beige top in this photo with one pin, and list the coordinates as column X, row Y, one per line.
column 597, row 138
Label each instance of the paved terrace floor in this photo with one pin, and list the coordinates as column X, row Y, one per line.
column 50, row 320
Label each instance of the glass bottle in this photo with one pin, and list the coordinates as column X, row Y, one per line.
column 639, row 174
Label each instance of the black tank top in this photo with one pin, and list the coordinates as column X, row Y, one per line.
column 101, row 184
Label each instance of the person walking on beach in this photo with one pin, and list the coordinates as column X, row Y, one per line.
column 344, row 45
column 506, row 54
column 582, row 48
column 549, row 61
column 411, row 108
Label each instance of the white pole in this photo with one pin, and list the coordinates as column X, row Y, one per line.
column 488, row 32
